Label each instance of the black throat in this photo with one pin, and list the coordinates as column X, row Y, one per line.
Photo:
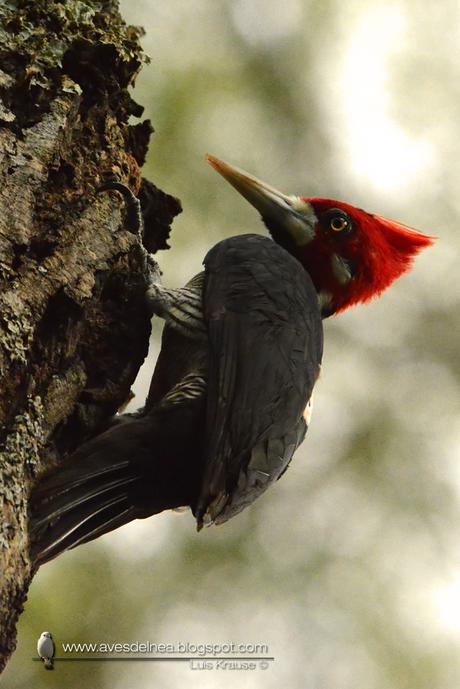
column 281, row 237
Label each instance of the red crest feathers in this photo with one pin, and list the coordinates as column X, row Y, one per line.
column 380, row 251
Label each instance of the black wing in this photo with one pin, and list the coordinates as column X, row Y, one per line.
column 265, row 348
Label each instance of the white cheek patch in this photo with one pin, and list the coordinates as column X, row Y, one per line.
column 302, row 222
column 299, row 230
column 301, row 206
column 307, row 412
column 325, row 300
column 340, row 269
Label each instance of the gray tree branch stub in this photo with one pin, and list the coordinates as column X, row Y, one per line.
column 74, row 324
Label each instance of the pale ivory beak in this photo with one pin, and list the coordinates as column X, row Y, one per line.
column 292, row 214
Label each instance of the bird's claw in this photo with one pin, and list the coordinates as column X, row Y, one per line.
column 153, row 270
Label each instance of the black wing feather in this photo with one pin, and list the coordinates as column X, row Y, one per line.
column 265, row 348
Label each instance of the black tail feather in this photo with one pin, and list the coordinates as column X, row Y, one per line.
column 78, row 512
column 112, row 520
column 74, row 476
column 95, row 486
column 64, row 502
column 71, row 530
column 132, row 470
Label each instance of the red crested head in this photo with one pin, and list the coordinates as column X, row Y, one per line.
column 354, row 255
column 351, row 255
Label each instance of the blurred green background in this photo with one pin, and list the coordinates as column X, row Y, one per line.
column 349, row 568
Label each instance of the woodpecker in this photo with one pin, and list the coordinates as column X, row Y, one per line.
column 230, row 397
column 241, row 352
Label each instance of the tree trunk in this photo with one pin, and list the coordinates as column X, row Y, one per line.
column 74, row 328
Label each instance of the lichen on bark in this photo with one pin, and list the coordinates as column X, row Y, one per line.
column 74, row 326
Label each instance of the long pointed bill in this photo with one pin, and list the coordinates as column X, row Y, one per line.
column 291, row 214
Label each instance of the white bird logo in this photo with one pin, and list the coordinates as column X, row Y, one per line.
column 45, row 649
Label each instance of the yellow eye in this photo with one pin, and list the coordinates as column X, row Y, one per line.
column 338, row 224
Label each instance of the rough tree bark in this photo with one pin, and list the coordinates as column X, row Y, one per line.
column 74, row 328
